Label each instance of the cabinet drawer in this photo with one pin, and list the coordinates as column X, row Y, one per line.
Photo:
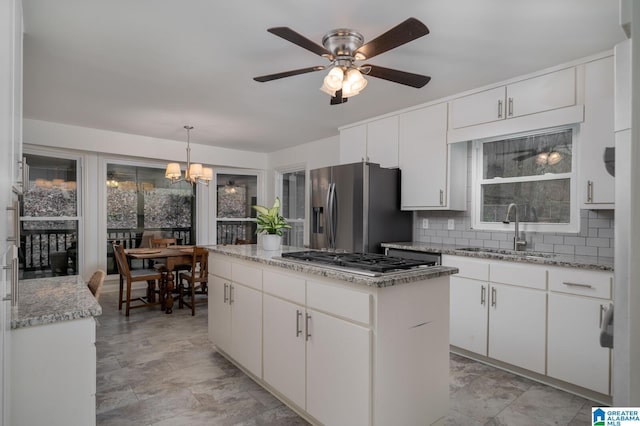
column 469, row 268
column 247, row 275
column 219, row 267
column 350, row 304
column 582, row 282
column 285, row 286
column 519, row 274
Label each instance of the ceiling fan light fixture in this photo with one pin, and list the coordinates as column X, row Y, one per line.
column 554, row 158
column 542, row 158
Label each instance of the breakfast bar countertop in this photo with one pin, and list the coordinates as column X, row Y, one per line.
column 48, row 300
column 254, row 253
column 526, row 256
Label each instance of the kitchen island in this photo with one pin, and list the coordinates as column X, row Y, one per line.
column 338, row 347
column 53, row 373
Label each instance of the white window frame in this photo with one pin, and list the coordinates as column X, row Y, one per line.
column 477, row 181
column 299, row 167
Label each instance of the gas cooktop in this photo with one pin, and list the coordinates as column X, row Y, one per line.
column 364, row 263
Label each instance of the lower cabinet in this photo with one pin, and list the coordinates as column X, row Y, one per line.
column 219, row 312
column 338, row 370
column 517, row 326
column 53, row 374
column 543, row 319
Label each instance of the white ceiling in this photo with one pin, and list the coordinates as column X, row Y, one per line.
column 148, row 67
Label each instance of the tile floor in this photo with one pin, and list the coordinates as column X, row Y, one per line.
column 161, row 370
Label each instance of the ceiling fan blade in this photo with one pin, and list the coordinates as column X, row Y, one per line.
column 402, row 33
column 296, row 38
column 402, row 77
column 269, row 77
column 338, row 99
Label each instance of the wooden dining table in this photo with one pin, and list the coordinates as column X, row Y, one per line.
column 171, row 257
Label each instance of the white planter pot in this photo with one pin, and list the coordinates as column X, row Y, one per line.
column 271, row 242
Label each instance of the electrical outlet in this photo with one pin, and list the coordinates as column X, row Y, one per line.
column 425, row 223
column 451, row 224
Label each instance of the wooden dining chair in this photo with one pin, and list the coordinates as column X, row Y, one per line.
column 194, row 282
column 95, row 283
column 152, row 277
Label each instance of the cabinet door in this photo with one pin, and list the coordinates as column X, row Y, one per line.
column 517, row 326
column 338, row 371
column 468, row 314
column 423, row 157
column 574, row 351
column 543, row 93
column 382, row 142
column 596, row 187
column 219, row 313
column 353, row 144
column 246, row 327
column 479, row 108
column 284, row 348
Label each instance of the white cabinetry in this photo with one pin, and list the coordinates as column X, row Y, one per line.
column 338, row 370
column 545, row 319
column 577, row 302
column 494, row 314
column 235, row 312
column 375, row 142
column 596, row 184
column 53, row 374
column 433, row 173
column 546, row 92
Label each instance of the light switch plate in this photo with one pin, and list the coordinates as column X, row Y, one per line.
column 425, row 223
column 451, row 224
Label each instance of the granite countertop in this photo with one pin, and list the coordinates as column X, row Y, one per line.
column 525, row 256
column 255, row 253
column 48, row 300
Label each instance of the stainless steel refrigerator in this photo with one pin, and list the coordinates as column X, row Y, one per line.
column 355, row 207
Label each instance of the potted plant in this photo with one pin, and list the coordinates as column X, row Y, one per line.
column 270, row 223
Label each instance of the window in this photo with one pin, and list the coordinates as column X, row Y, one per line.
column 534, row 171
column 292, row 193
column 235, row 219
column 143, row 204
column 49, row 217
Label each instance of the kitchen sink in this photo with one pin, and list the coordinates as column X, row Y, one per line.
column 523, row 253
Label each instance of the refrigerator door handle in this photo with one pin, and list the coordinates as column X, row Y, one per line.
column 332, row 211
column 328, row 216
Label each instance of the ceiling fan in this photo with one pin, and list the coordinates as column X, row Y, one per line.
column 343, row 47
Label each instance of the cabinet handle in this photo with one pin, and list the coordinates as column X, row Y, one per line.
column 499, row 108
column 494, row 297
column 482, row 295
column 602, row 311
column 226, row 299
column 298, row 316
column 13, row 267
column 589, row 191
column 15, row 208
column 231, row 294
column 510, row 107
column 441, row 197
column 570, row 284
column 306, row 326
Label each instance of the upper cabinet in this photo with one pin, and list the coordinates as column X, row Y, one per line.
column 596, row 138
column 544, row 101
column 622, row 83
column 375, row 142
column 433, row 173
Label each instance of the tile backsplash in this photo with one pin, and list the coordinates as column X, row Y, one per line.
column 594, row 239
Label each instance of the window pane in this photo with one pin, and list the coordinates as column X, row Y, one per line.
column 293, row 200
column 236, row 232
column 236, row 195
column 528, row 156
column 52, row 190
column 541, row 202
column 143, row 204
column 49, row 248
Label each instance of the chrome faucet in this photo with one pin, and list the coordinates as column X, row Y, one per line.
column 518, row 244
